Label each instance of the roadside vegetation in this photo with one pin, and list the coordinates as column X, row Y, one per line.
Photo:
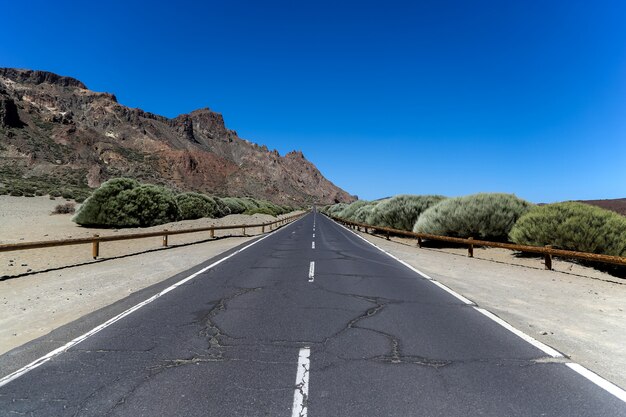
column 573, row 226
column 402, row 211
column 488, row 216
column 124, row 202
column 495, row 217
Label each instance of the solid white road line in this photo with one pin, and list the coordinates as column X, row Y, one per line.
column 591, row 376
column 38, row 362
column 536, row 343
column 312, row 245
column 312, row 271
column 598, row 380
column 301, row 393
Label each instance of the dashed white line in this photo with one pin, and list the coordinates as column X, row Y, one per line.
column 312, row 245
column 313, row 234
column 38, row 362
column 312, row 271
column 301, row 392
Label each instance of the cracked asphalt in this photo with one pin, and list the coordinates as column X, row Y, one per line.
column 383, row 342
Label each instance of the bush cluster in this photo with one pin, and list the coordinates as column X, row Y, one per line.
column 488, row 216
column 572, row 226
column 124, row 202
column 402, row 211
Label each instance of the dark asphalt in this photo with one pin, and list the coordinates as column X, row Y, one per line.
column 383, row 342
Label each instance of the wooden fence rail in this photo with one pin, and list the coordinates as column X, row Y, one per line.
column 96, row 239
column 548, row 251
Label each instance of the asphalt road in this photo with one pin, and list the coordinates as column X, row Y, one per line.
column 310, row 320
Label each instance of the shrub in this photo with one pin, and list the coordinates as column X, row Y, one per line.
column 572, row 226
column 195, row 205
column 349, row 211
column 363, row 213
column 234, row 204
column 123, row 202
column 483, row 216
column 16, row 193
column 261, row 210
column 335, row 209
column 66, row 208
column 402, row 211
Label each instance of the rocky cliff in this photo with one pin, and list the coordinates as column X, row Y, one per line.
column 54, row 130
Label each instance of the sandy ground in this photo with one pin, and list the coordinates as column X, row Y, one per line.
column 70, row 283
column 577, row 310
column 25, row 219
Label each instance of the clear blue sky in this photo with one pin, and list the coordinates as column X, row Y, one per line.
column 447, row 97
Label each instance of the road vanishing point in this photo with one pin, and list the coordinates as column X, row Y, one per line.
column 310, row 320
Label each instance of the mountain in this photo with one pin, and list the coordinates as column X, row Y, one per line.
column 617, row 205
column 54, row 132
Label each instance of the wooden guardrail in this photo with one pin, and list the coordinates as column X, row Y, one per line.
column 96, row 239
column 547, row 251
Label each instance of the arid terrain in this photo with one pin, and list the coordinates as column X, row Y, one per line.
column 56, row 135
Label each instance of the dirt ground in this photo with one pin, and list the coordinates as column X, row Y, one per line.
column 577, row 310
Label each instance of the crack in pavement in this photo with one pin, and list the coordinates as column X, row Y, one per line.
column 212, row 330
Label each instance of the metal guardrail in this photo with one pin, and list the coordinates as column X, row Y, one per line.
column 96, row 239
column 548, row 251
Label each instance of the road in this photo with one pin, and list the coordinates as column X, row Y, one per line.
column 310, row 320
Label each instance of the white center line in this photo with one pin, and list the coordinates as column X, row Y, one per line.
column 312, row 271
column 301, row 393
column 312, row 245
column 313, row 234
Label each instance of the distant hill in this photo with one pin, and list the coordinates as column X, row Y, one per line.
column 55, row 132
column 618, row 204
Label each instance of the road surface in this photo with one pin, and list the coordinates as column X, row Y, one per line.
column 308, row 321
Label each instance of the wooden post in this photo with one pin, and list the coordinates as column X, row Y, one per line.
column 366, row 230
column 470, row 248
column 95, row 248
column 387, row 235
column 165, row 238
column 243, row 229
column 212, row 233
column 262, row 228
column 419, row 242
column 548, row 259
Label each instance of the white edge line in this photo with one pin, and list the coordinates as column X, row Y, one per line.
column 301, row 392
column 598, row 380
column 417, row 271
column 312, row 271
column 38, row 362
column 539, row 345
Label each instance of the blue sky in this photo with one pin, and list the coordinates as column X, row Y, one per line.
column 446, row 97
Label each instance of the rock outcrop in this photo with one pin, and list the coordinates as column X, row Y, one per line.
column 54, row 127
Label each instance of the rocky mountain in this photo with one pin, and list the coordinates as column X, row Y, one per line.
column 54, row 132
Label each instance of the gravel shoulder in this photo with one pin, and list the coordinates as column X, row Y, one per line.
column 577, row 310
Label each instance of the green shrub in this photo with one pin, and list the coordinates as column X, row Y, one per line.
column 234, row 204
column 483, row 216
column 123, row 202
column 363, row 213
column 335, row 209
column 261, row 210
column 572, row 226
column 194, row 206
column 16, row 193
column 349, row 211
column 402, row 211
